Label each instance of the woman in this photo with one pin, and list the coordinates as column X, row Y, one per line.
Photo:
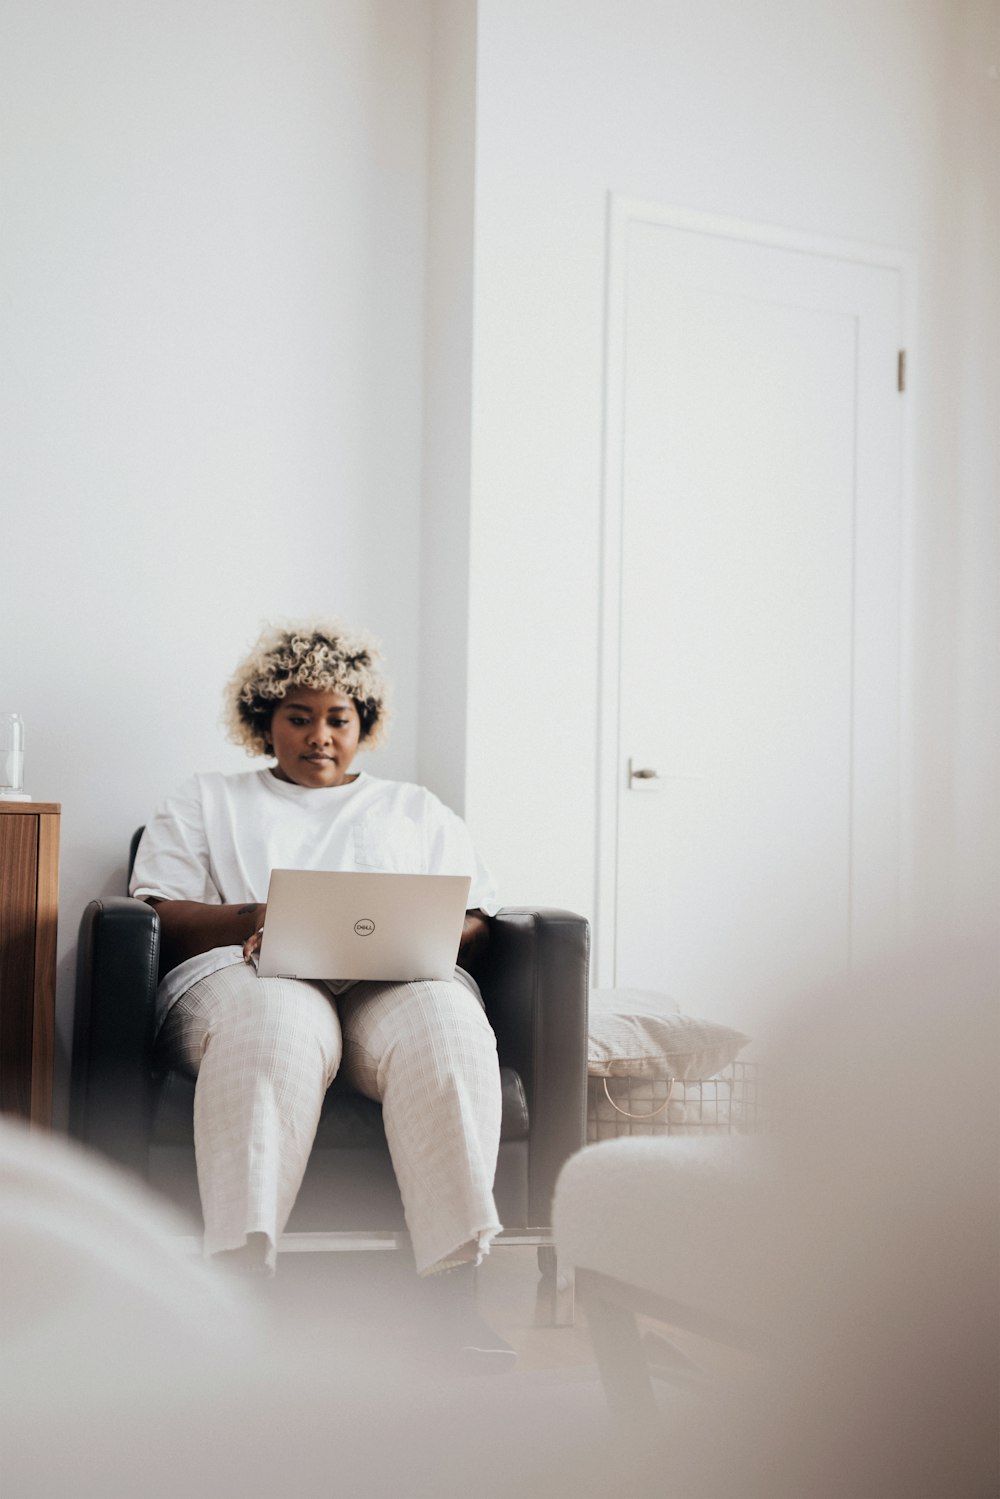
column 265, row 1050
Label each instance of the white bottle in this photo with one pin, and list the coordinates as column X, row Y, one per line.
column 12, row 758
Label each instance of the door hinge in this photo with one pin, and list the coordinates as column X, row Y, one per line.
column 901, row 370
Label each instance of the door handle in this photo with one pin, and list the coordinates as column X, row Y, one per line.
column 642, row 778
column 646, row 778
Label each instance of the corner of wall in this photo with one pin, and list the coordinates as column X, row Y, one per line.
column 444, row 560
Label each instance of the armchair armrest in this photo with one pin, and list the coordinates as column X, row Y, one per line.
column 535, row 984
column 112, row 1090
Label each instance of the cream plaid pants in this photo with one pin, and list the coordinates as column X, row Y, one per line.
column 265, row 1050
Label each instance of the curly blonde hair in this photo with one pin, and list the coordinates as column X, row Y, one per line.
column 321, row 653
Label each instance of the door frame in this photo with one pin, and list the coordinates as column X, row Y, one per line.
column 622, row 212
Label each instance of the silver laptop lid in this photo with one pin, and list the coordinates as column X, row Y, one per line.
column 326, row 925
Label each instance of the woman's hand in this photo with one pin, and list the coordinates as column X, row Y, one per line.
column 475, row 936
column 252, row 944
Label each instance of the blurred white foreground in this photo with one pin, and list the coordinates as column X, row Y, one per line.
column 130, row 1369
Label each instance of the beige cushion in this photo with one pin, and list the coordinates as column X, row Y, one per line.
column 639, row 1033
column 682, row 1218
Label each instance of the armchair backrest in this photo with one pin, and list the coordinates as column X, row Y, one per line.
column 133, row 849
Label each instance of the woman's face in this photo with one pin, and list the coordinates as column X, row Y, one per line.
column 315, row 735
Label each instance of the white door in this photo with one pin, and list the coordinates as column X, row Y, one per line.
column 758, row 636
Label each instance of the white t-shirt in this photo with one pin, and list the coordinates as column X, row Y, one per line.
column 218, row 838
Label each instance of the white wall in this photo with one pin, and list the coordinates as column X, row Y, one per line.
column 447, row 400
column 974, row 866
column 841, row 117
column 212, row 269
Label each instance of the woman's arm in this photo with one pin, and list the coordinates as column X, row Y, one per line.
column 190, row 927
column 475, row 936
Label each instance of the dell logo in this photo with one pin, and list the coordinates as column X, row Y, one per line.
column 364, row 927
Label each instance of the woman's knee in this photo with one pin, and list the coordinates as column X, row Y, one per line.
column 446, row 1017
column 281, row 1019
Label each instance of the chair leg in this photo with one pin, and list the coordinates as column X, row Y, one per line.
column 556, row 1298
column 621, row 1360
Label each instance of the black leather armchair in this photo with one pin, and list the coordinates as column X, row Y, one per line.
column 534, row 981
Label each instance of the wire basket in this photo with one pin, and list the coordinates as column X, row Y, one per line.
column 727, row 1104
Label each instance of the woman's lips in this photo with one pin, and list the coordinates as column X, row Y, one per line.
column 319, row 759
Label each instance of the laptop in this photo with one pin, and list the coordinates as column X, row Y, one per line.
column 326, row 925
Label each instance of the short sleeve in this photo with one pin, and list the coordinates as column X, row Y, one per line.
column 172, row 861
column 451, row 851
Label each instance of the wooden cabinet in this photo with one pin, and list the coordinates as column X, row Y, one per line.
column 29, row 897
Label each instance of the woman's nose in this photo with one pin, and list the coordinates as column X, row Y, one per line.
column 320, row 734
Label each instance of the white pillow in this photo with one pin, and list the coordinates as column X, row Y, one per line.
column 639, row 1033
column 634, row 1001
